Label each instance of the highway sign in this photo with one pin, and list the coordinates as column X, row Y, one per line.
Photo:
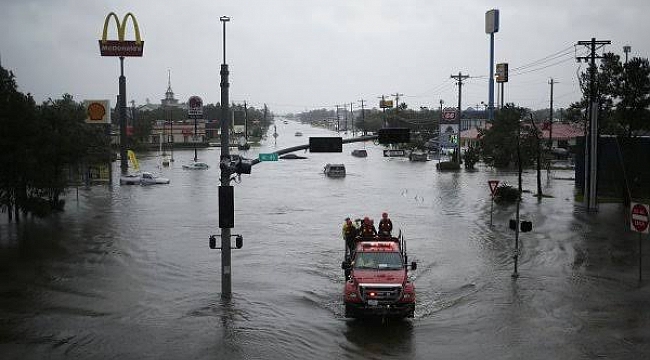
column 493, row 186
column 639, row 218
column 268, row 157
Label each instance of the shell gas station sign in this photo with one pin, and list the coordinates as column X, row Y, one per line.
column 121, row 47
column 97, row 111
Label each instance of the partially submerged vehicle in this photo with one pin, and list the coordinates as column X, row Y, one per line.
column 148, row 178
column 359, row 153
column 418, row 155
column 196, row 165
column 334, row 170
column 377, row 281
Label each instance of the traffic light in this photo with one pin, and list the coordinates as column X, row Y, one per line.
column 394, row 135
column 243, row 166
column 325, row 144
column 226, row 207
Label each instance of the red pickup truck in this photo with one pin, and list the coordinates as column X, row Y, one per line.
column 377, row 282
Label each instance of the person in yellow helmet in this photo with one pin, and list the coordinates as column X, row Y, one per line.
column 349, row 232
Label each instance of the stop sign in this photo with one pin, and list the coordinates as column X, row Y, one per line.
column 639, row 218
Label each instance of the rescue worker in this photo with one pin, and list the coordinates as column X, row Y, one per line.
column 349, row 233
column 385, row 225
column 368, row 229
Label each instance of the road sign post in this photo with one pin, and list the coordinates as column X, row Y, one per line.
column 195, row 112
column 639, row 223
column 493, row 189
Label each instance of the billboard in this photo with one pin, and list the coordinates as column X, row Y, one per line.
column 492, row 21
column 502, row 73
column 385, row 104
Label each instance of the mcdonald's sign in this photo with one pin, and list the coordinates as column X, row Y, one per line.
column 121, row 47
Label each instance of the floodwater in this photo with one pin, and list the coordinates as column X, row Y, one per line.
column 126, row 273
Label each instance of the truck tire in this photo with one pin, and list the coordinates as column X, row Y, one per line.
column 349, row 311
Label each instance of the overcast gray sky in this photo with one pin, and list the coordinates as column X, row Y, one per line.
column 297, row 55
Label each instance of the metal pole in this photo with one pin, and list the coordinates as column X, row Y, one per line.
column 124, row 161
column 550, row 119
column 640, row 257
column 593, row 134
column 226, row 271
column 491, row 87
column 195, row 138
column 515, row 274
column 460, row 92
column 503, row 95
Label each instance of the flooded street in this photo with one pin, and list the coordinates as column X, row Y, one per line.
column 125, row 272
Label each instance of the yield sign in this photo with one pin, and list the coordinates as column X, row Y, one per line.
column 639, row 218
column 493, row 186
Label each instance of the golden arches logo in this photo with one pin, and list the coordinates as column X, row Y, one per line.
column 121, row 47
column 121, row 26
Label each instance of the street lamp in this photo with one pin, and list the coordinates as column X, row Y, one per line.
column 224, row 20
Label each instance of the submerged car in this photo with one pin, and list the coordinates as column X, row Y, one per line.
column 334, row 170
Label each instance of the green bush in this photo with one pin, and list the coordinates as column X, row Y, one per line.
column 506, row 194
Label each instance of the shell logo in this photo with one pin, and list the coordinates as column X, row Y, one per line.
column 97, row 111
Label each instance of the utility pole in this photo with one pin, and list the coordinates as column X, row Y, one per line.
column 591, row 141
column 626, row 50
column 352, row 119
column 226, row 191
column 363, row 118
column 397, row 95
column 460, row 77
column 550, row 118
column 245, row 121
column 337, row 118
column 383, row 109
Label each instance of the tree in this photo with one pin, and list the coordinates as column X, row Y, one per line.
column 17, row 125
column 499, row 143
column 622, row 94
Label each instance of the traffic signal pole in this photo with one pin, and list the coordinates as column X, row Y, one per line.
column 226, row 268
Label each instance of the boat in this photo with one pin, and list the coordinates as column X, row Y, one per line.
column 298, row 133
column 360, row 153
column 148, row 178
column 418, row 155
column 196, row 165
column 334, row 170
column 394, row 152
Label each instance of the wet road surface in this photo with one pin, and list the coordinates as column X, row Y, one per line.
column 125, row 272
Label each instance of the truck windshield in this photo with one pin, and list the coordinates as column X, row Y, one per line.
column 378, row 260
